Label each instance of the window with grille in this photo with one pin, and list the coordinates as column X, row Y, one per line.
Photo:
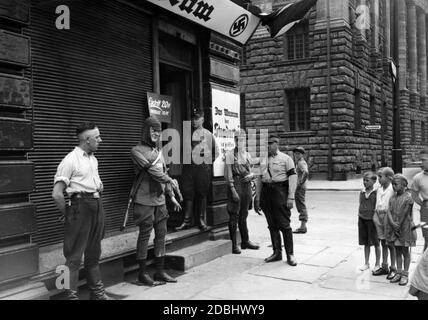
column 297, row 41
column 412, row 131
column 299, row 109
column 423, row 133
column 357, row 110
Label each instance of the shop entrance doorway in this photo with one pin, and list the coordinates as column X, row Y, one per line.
column 175, row 82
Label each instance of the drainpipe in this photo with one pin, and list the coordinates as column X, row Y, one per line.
column 330, row 138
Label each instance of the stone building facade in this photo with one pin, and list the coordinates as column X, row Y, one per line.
column 289, row 82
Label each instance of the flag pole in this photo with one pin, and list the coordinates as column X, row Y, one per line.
column 330, row 138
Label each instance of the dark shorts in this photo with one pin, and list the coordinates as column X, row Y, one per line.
column 367, row 234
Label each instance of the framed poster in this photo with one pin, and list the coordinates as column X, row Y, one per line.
column 226, row 121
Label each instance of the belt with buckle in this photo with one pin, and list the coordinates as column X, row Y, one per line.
column 271, row 184
column 91, row 195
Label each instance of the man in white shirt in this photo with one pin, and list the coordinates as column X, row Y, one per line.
column 77, row 175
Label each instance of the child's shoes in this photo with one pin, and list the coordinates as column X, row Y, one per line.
column 379, row 271
column 392, row 273
column 404, row 280
column 364, row 267
column 396, row 278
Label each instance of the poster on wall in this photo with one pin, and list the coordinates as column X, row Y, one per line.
column 226, row 121
column 159, row 106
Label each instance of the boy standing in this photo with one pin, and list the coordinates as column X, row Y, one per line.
column 300, row 194
column 367, row 234
column 384, row 194
column 419, row 190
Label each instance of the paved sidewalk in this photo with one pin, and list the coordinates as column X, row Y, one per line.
column 328, row 256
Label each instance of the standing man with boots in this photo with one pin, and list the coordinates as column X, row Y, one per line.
column 275, row 191
column 150, row 210
column 238, row 175
column 197, row 176
column 300, row 196
column 77, row 175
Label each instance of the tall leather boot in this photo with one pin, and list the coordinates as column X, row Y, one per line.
column 187, row 222
column 288, row 245
column 245, row 240
column 275, row 237
column 160, row 274
column 71, row 293
column 96, row 286
column 201, row 209
column 232, row 233
column 143, row 276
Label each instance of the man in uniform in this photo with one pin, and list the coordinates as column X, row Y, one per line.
column 300, row 196
column 197, row 176
column 275, row 191
column 150, row 210
column 78, row 176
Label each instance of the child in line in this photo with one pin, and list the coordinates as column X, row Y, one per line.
column 367, row 234
column 384, row 194
column 398, row 228
column 419, row 191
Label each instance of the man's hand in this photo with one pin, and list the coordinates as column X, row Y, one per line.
column 290, row 203
column 176, row 189
column 257, row 208
column 176, row 205
column 235, row 195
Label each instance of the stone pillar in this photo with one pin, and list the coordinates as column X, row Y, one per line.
column 402, row 42
column 387, row 30
column 426, row 44
column 374, row 14
column 422, row 58
column 412, row 46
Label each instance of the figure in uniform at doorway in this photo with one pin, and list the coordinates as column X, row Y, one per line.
column 77, row 175
column 238, row 175
column 275, row 189
column 150, row 210
column 197, row 176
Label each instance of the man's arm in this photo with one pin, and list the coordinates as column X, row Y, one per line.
column 140, row 159
column 415, row 197
column 292, row 177
column 58, row 196
column 292, row 183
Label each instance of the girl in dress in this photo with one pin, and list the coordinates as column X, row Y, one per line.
column 398, row 227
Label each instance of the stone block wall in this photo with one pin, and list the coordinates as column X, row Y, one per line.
column 267, row 74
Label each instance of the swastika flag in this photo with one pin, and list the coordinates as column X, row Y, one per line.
column 282, row 20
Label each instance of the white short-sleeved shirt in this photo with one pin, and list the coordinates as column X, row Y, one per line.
column 79, row 171
column 383, row 196
column 280, row 166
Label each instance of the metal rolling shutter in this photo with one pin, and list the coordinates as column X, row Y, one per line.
column 99, row 70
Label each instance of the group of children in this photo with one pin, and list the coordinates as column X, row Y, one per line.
column 386, row 222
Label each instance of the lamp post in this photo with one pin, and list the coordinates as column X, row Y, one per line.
column 330, row 138
column 397, row 160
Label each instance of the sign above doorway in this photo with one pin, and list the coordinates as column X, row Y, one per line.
column 159, row 106
column 238, row 24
